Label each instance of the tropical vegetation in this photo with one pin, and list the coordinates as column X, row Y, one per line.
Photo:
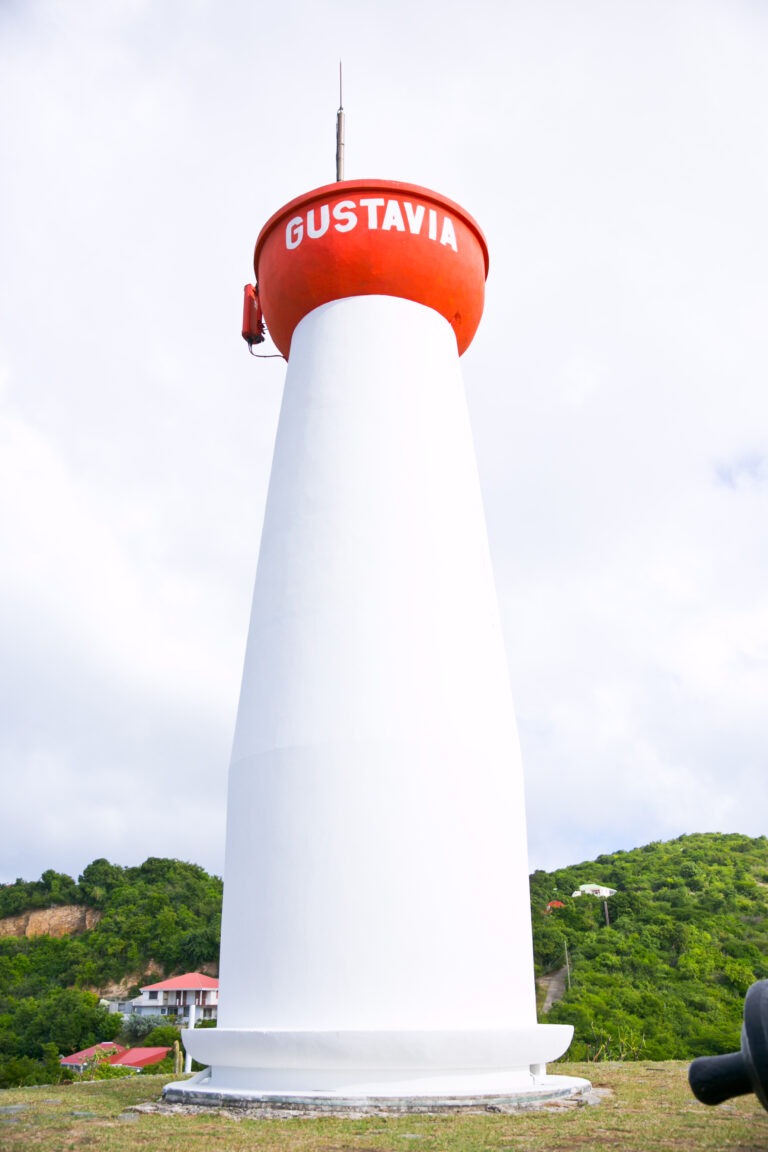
column 163, row 915
column 657, row 971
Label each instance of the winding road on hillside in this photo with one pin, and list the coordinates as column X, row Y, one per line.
column 554, row 983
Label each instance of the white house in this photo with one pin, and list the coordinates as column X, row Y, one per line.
column 595, row 890
column 173, row 997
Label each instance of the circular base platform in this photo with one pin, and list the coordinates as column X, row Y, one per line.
column 495, row 1092
column 401, row 1070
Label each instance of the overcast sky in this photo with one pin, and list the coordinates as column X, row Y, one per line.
column 616, row 155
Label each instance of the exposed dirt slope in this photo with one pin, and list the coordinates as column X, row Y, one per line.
column 64, row 921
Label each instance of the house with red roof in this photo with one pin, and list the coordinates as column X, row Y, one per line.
column 78, row 1060
column 139, row 1057
column 136, row 1058
column 554, row 904
column 174, row 997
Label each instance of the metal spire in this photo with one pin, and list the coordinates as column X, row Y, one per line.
column 340, row 133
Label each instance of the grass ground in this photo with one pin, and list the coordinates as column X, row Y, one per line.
column 647, row 1108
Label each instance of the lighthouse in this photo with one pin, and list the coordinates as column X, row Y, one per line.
column 376, row 937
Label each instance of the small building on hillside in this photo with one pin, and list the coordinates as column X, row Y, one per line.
column 174, row 997
column 139, row 1057
column 78, row 1060
column 135, row 1058
column 124, row 1007
column 595, row 890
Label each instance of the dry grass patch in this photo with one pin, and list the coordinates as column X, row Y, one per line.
column 646, row 1108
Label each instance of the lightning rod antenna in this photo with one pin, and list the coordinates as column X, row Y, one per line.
column 340, row 133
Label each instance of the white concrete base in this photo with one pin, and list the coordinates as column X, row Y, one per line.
column 460, row 1091
column 399, row 1070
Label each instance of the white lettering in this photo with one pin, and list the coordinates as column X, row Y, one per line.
column 294, row 232
column 372, row 203
column 448, row 236
column 414, row 216
column 313, row 231
column 393, row 217
column 344, row 215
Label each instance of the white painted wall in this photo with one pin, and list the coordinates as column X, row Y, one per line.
column 376, row 870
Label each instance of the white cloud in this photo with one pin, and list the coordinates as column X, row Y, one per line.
column 616, row 158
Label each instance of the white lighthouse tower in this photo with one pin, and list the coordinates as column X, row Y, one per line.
column 376, row 938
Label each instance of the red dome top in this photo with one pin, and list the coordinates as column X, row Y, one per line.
column 366, row 238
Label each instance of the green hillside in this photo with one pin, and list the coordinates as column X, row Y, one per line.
column 666, row 978
column 164, row 911
column 163, row 914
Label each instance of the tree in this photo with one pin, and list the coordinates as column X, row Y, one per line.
column 58, row 888
column 99, row 879
column 136, row 1028
column 163, row 1036
column 66, row 1017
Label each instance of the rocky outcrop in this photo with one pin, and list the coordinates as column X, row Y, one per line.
column 64, row 921
column 122, row 989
